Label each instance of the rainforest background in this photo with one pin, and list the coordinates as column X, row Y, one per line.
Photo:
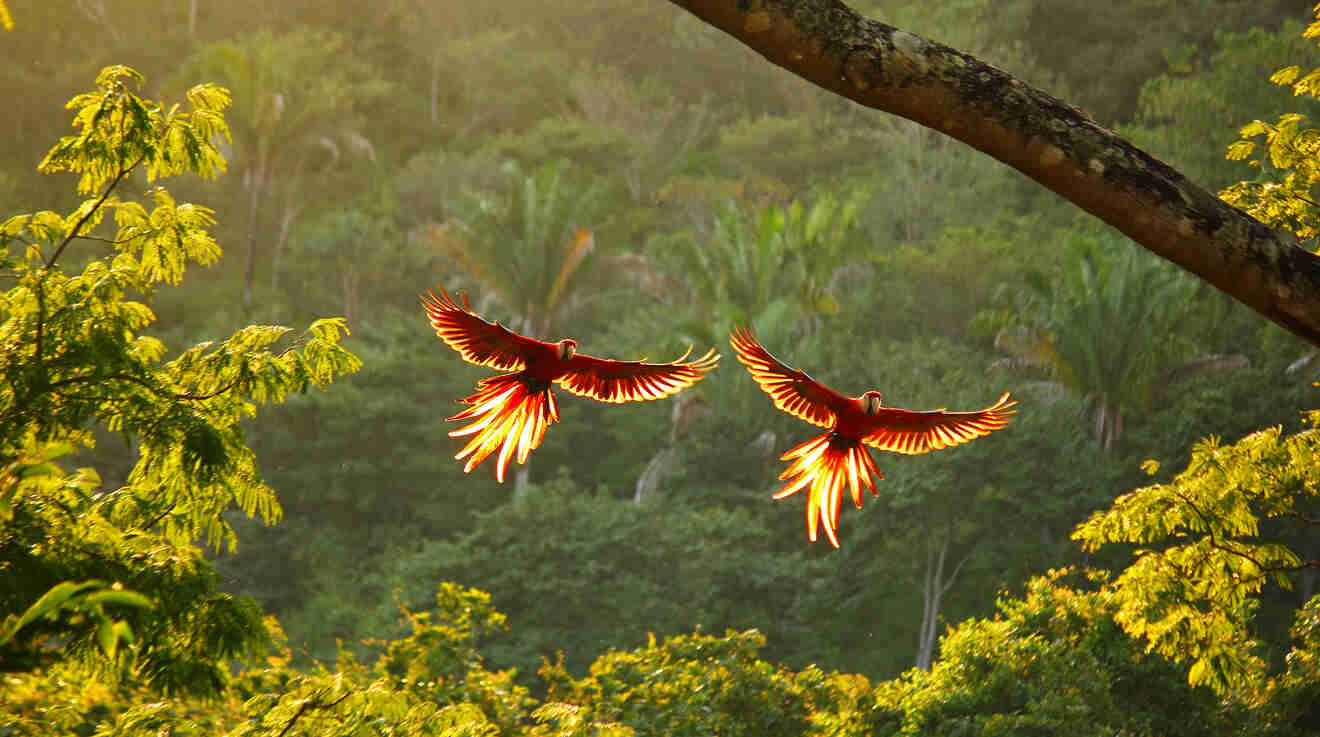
column 620, row 173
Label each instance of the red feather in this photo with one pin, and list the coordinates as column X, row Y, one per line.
column 511, row 412
column 477, row 340
column 629, row 381
column 829, row 463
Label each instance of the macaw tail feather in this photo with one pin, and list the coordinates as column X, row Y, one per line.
column 823, row 466
column 509, row 412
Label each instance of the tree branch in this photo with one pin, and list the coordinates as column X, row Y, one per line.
column 882, row 67
column 1303, row 520
column 145, row 384
column 156, row 520
column 113, row 242
column 73, row 232
column 308, row 705
column 1216, row 544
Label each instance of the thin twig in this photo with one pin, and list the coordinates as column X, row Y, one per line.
column 1303, row 520
column 160, row 516
column 113, row 242
column 308, row 705
column 1264, row 570
column 87, row 215
column 145, row 384
column 41, row 318
column 1307, row 200
column 1214, row 542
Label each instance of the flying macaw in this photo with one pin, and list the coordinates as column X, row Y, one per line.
column 512, row 410
column 828, row 462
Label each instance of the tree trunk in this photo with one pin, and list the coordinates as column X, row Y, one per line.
column 659, row 467
column 934, row 585
column 286, row 227
column 521, row 479
column 877, row 65
column 256, row 183
column 435, row 86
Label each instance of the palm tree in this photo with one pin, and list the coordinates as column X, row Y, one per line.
column 1105, row 330
column 294, row 96
column 776, row 269
column 528, row 247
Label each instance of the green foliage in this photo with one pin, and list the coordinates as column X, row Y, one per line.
column 773, row 268
column 1103, row 329
column 86, row 599
column 1204, row 558
column 902, row 290
column 1050, row 662
column 441, row 659
column 580, row 588
column 1289, row 159
column 529, row 244
column 76, row 360
column 694, row 685
column 1090, row 48
column 1289, row 704
column 1188, row 116
column 431, row 682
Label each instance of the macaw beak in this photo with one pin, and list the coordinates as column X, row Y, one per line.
column 871, row 403
column 567, row 349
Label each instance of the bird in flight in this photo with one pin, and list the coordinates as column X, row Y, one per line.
column 827, row 463
column 511, row 411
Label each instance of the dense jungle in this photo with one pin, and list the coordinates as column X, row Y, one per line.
column 229, row 502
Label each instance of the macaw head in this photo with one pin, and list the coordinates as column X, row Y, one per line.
column 871, row 402
column 566, row 348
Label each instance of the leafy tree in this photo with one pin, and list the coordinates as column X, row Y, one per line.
column 694, row 685
column 297, row 95
column 1288, row 160
column 1090, row 48
column 1050, row 662
column 1211, row 539
column 890, row 69
column 1189, row 114
column 77, row 359
column 581, row 589
column 1104, row 330
column 530, row 246
column 1289, row 701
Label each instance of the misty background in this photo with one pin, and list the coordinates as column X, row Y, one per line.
column 384, row 149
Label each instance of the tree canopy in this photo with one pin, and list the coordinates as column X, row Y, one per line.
column 195, row 539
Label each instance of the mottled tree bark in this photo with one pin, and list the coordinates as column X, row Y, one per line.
column 830, row 45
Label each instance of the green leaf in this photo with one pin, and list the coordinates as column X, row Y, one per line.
column 118, row 597
column 49, row 603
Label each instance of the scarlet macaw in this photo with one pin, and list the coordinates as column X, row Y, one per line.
column 824, row 464
column 512, row 410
